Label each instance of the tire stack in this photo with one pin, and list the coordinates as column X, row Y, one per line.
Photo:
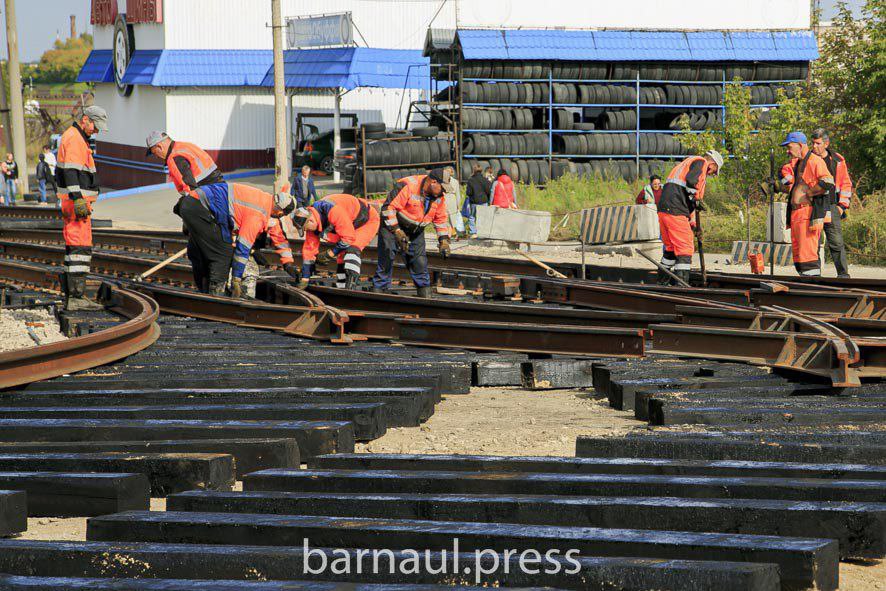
column 500, row 97
column 392, row 155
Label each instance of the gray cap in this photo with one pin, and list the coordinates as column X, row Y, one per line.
column 98, row 116
column 716, row 157
column 154, row 138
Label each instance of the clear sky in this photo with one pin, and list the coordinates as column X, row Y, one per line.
column 39, row 20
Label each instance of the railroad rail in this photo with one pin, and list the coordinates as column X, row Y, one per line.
column 139, row 331
column 798, row 326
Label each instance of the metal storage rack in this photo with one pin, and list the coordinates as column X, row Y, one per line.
column 638, row 84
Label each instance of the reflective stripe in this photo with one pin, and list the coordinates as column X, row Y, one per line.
column 248, row 205
column 668, row 262
column 245, row 243
column 75, row 166
column 206, row 173
column 679, row 182
column 354, row 268
column 77, row 268
column 285, row 253
column 390, row 222
column 240, row 259
column 787, row 180
column 342, row 245
column 682, row 266
column 79, row 258
column 351, row 256
column 73, row 188
column 88, row 193
column 845, row 193
column 811, row 272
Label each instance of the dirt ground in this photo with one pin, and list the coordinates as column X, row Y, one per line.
column 14, row 326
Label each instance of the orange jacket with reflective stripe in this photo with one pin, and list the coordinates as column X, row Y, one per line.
column 250, row 210
column 686, row 183
column 202, row 164
column 75, row 170
column 415, row 207
column 837, row 165
column 339, row 215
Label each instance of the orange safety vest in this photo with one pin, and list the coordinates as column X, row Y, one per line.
column 202, row 164
column 409, row 203
column 75, row 169
column 681, row 171
column 250, row 210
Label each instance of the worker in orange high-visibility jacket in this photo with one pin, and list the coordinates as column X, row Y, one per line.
column 415, row 203
column 808, row 182
column 191, row 167
column 78, row 189
column 244, row 214
column 348, row 224
column 840, row 199
column 682, row 194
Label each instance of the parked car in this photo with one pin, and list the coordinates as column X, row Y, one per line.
column 345, row 162
column 316, row 150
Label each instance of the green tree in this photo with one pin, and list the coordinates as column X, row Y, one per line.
column 62, row 63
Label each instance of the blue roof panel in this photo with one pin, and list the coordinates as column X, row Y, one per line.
column 352, row 67
column 142, row 66
column 553, row 45
column 98, row 67
column 191, row 67
column 483, row 44
column 709, row 46
column 527, row 44
column 795, row 45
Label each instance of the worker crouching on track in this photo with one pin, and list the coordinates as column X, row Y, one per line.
column 413, row 204
column 808, row 182
column 77, row 190
column 242, row 214
column 348, row 224
column 682, row 194
column 190, row 167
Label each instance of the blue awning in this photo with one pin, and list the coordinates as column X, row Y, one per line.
column 346, row 68
column 98, row 67
column 142, row 66
column 353, row 67
column 770, row 46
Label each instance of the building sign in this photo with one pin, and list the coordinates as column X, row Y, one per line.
column 320, row 31
column 144, row 11
column 104, row 12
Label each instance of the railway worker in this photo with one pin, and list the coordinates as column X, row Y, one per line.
column 190, row 167
column 682, row 194
column 412, row 205
column 77, row 190
column 808, row 182
column 243, row 215
column 840, row 199
column 349, row 224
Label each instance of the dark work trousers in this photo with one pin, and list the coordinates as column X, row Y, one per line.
column 416, row 259
column 209, row 253
column 834, row 234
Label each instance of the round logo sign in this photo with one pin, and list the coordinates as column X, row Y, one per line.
column 124, row 45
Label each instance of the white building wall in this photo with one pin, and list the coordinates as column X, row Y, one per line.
column 217, row 24
column 130, row 119
column 369, row 104
column 221, row 118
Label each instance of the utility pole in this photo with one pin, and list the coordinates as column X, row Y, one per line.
column 281, row 132
column 19, row 144
column 4, row 109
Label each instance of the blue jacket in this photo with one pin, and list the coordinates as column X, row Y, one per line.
column 302, row 199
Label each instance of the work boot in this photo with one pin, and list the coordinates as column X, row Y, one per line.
column 351, row 281
column 843, row 276
column 375, row 289
column 75, row 301
column 423, row 292
column 664, row 278
column 217, row 288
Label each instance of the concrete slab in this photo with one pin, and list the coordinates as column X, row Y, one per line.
column 513, row 225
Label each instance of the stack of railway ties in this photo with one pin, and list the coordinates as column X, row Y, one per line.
column 757, row 461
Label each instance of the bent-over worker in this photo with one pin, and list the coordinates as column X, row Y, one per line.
column 348, row 224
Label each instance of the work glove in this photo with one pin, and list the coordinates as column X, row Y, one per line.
column 237, row 288
column 402, row 239
column 292, row 270
column 698, row 232
column 303, row 283
column 325, row 256
column 444, row 248
column 81, row 209
column 700, row 206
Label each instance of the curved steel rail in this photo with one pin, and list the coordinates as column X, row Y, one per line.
column 24, row 366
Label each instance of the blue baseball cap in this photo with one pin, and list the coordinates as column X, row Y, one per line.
column 795, row 137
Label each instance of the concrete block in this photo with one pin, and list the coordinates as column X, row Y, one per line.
column 782, row 232
column 783, row 255
column 622, row 223
column 513, row 225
